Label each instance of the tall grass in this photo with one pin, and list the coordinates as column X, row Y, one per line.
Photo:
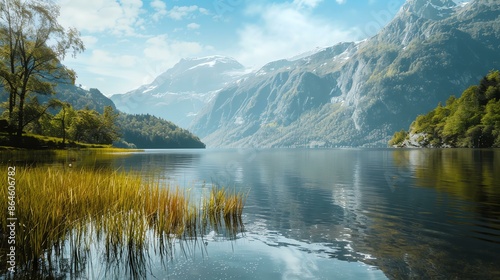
column 123, row 211
column 223, row 210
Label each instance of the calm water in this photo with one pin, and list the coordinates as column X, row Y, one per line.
column 336, row 214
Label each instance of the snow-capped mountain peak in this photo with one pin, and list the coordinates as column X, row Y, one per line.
column 208, row 61
column 201, row 74
column 434, row 9
column 181, row 91
column 461, row 3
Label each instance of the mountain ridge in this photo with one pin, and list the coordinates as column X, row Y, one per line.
column 182, row 90
column 358, row 94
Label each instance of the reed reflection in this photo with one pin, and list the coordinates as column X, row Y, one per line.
column 70, row 217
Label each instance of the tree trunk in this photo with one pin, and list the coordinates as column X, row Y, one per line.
column 64, row 127
column 12, row 104
column 20, row 126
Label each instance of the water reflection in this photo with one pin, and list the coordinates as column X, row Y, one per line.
column 413, row 213
column 323, row 213
column 431, row 225
column 63, row 158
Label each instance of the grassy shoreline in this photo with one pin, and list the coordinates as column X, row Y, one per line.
column 40, row 142
column 117, row 209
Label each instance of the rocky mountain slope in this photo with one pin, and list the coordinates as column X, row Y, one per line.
column 359, row 94
column 80, row 98
column 179, row 93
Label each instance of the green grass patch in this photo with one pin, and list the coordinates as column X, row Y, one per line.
column 41, row 142
column 123, row 212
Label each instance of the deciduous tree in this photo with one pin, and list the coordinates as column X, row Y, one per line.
column 32, row 45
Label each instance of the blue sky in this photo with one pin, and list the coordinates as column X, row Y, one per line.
column 130, row 42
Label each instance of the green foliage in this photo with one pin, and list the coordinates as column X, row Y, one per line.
column 491, row 121
column 87, row 126
column 398, row 138
column 32, row 44
column 70, row 126
column 146, row 131
column 109, row 127
column 473, row 120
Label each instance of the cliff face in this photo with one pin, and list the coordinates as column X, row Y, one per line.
column 358, row 94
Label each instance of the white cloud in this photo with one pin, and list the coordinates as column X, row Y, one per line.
column 89, row 41
column 162, row 53
column 106, row 70
column 340, row 1
column 162, row 48
column 101, row 15
column 158, row 5
column 307, row 3
column 182, row 12
column 204, row 11
column 105, row 59
column 100, row 66
column 285, row 30
column 193, row 26
column 160, row 9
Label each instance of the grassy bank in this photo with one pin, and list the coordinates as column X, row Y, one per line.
column 39, row 142
column 122, row 211
column 93, row 158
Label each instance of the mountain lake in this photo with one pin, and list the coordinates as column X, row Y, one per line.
column 325, row 213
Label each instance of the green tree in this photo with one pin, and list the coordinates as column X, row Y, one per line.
column 491, row 121
column 109, row 130
column 398, row 138
column 34, row 111
column 84, row 126
column 473, row 120
column 32, row 44
column 91, row 127
column 490, row 85
column 466, row 114
column 61, row 121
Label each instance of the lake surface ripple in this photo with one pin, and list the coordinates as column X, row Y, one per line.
column 339, row 213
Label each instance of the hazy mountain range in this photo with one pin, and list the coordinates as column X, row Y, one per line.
column 350, row 94
column 183, row 90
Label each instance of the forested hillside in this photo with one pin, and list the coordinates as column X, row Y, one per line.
column 471, row 121
column 73, row 114
column 147, row 131
column 89, row 126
